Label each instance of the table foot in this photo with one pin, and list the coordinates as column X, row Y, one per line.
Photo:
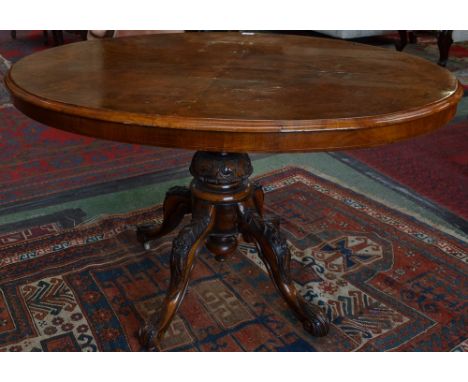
column 177, row 203
column 274, row 252
column 184, row 249
column 148, row 335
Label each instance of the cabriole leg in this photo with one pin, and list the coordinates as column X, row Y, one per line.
column 184, row 249
column 275, row 254
column 176, row 204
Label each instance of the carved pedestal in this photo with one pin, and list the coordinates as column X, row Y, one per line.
column 223, row 204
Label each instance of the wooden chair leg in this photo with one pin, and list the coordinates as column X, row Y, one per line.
column 400, row 45
column 57, row 37
column 45, row 37
column 444, row 41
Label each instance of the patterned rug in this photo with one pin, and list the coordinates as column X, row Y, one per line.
column 433, row 165
column 37, row 161
column 388, row 281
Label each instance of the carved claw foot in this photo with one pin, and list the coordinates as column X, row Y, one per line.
column 176, row 204
column 145, row 232
column 274, row 252
column 317, row 322
column 147, row 336
column 184, row 250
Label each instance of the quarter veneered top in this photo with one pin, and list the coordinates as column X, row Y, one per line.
column 231, row 86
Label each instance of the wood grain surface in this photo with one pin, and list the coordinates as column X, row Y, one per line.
column 235, row 92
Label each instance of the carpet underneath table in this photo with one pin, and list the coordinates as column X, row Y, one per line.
column 387, row 281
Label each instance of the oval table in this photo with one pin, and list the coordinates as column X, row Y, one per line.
column 224, row 95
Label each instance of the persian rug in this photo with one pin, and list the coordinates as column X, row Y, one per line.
column 37, row 161
column 434, row 165
column 12, row 50
column 387, row 281
column 4, row 95
column 27, row 42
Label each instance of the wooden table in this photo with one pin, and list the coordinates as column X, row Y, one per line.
column 224, row 95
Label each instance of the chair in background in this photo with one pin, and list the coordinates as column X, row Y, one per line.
column 57, row 36
column 97, row 34
column 445, row 39
column 44, row 34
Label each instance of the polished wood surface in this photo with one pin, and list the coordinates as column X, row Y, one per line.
column 233, row 92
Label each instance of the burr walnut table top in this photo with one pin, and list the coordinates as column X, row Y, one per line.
column 233, row 92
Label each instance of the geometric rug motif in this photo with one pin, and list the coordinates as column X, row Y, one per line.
column 433, row 165
column 37, row 161
column 56, row 318
column 386, row 281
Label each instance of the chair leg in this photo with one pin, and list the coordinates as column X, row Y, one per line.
column 400, row 45
column 444, row 41
column 57, row 37
column 45, row 37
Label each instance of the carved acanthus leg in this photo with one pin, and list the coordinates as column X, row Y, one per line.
column 255, row 203
column 176, row 204
column 276, row 256
column 184, row 249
